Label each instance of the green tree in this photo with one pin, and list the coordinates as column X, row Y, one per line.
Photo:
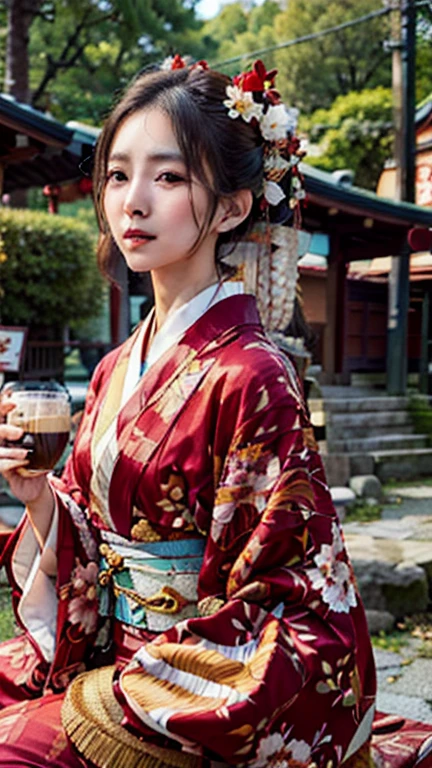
column 236, row 31
column 80, row 52
column 91, row 49
column 424, row 57
column 230, row 21
column 312, row 74
column 355, row 133
column 20, row 16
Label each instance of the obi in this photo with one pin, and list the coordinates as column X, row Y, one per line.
column 151, row 585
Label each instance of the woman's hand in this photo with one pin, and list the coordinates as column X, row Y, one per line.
column 34, row 491
column 27, row 489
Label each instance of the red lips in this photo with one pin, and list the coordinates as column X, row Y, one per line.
column 138, row 234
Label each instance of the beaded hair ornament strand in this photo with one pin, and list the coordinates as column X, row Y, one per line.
column 266, row 261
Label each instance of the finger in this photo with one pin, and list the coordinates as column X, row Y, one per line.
column 24, row 472
column 6, row 407
column 10, row 432
column 13, row 453
column 9, row 465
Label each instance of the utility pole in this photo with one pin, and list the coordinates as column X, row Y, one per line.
column 403, row 76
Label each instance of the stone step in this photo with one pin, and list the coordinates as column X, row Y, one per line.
column 392, row 571
column 402, row 464
column 380, row 442
column 331, row 391
column 373, row 428
column 358, row 404
column 365, row 418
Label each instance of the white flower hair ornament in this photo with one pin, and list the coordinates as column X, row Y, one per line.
column 252, row 97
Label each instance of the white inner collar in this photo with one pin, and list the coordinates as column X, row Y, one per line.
column 175, row 326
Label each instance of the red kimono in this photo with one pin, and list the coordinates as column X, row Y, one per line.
column 203, row 581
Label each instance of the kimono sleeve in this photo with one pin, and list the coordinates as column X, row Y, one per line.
column 35, row 594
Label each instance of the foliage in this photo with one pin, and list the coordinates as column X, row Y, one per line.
column 391, row 486
column 355, row 132
column 314, row 73
column 424, row 54
column 411, row 637
column 424, row 72
column 236, row 31
column 390, row 641
column 414, row 634
column 230, row 22
column 88, row 51
column 363, row 511
column 48, row 272
column 420, row 408
column 7, row 619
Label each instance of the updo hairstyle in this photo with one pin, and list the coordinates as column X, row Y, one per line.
column 225, row 155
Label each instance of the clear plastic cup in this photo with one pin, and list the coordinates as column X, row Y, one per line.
column 42, row 410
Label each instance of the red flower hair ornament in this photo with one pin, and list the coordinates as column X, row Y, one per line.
column 182, row 62
column 253, row 97
column 259, row 81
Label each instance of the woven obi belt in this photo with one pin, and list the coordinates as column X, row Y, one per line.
column 150, row 585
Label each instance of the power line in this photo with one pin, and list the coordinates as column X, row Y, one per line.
column 313, row 35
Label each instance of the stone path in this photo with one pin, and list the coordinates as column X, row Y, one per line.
column 404, row 689
column 401, row 540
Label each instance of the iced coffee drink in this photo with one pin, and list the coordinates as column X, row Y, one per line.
column 44, row 416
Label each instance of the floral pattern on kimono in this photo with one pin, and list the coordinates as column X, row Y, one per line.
column 213, row 451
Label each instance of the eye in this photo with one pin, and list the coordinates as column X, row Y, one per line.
column 116, row 175
column 170, row 177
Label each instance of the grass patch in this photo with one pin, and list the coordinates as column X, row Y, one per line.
column 363, row 511
column 74, row 369
column 425, row 650
column 390, row 641
column 421, row 414
column 7, row 625
column 418, row 626
column 392, row 484
column 7, row 619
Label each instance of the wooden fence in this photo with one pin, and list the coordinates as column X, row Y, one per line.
column 46, row 359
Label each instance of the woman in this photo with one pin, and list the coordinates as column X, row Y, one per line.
column 189, row 561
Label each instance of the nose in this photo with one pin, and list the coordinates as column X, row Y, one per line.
column 136, row 201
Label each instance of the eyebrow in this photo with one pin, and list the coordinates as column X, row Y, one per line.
column 153, row 157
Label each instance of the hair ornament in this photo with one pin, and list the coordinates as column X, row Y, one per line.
column 267, row 260
column 253, row 97
column 175, row 62
column 182, row 62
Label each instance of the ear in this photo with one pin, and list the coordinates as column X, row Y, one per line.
column 233, row 210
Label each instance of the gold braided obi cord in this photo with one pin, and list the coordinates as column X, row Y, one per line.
column 149, row 585
column 91, row 717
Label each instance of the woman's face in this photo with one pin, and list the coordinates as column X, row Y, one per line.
column 154, row 210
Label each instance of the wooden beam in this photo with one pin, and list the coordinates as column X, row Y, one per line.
column 31, row 131
column 335, row 300
column 20, row 154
